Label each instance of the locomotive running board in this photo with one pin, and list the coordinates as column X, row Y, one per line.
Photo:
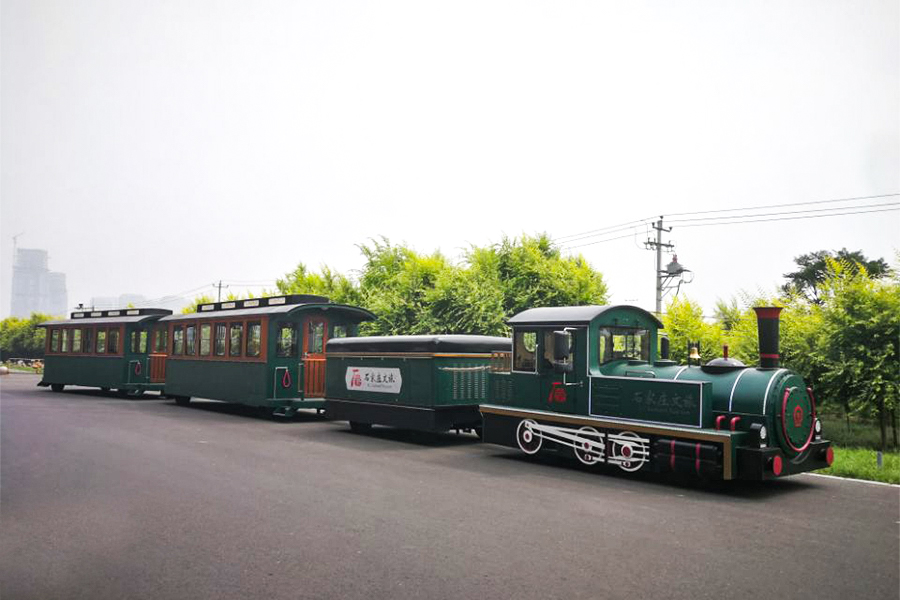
column 718, row 437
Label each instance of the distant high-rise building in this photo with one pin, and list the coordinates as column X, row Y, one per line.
column 34, row 287
column 112, row 302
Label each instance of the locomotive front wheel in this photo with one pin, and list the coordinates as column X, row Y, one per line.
column 529, row 440
column 57, row 387
column 357, row 427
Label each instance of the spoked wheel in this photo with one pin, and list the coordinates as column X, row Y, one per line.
column 357, row 427
column 182, row 400
column 57, row 387
column 529, row 440
column 589, row 447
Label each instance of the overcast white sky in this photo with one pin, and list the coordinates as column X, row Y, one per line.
column 155, row 147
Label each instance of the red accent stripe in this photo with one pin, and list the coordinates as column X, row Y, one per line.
column 767, row 312
column 761, row 355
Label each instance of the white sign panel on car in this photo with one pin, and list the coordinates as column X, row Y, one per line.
column 371, row 379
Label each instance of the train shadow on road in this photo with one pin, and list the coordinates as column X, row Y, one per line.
column 423, row 439
column 668, row 483
column 252, row 412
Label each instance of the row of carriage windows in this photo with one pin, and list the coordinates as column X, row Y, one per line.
column 89, row 340
column 233, row 339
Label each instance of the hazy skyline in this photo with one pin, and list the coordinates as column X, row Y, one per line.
column 156, row 148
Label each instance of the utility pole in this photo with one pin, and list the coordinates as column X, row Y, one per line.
column 220, row 286
column 658, row 245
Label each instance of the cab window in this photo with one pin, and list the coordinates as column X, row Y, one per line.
column 623, row 343
column 525, row 351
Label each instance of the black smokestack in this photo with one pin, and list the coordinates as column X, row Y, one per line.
column 767, row 324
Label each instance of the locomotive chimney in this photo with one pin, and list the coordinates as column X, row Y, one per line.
column 767, row 324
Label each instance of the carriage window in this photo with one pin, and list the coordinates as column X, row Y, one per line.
column 178, row 340
column 340, row 331
column 142, row 347
column 525, row 351
column 65, row 341
column 86, row 341
column 205, row 339
column 620, row 343
column 237, row 335
column 113, row 341
column 221, row 340
column 160, row 340
column 549, row 349
column 254, row 338
column 76, row 340
column 134, row 341
column 190, row 340
column 316, row 340
column 287, row 340
column 101, row 341
column 54, row 340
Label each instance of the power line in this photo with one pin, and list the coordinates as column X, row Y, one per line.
column 603, row 230
column 874, row 197
column 861, row 212
column 794, row 212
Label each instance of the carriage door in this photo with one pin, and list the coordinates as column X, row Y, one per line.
column 557, row 396
column 158, row 349
column 315, row 334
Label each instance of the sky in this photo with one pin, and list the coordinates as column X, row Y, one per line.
column 157, row 147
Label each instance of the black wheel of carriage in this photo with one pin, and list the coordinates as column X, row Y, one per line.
column 182, row 400
column 131, row 394
column 104, row 389
column 357, row 427
column 479, row 431
column 57, row 387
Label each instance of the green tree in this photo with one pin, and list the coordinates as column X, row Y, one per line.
column 22, row 338
column 813, row 270
column 684, row 323
column 335, row 286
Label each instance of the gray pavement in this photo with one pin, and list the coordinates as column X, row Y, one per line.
column 110, row 498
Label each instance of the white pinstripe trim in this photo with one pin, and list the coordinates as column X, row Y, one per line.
column 769, row 386
column 734, row 387
column 682, row 370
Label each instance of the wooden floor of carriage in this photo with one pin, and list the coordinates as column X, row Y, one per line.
column 104, row 497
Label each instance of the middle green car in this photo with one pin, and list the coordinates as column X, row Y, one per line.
column 425, row 382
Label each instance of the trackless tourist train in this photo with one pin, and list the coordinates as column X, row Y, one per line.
column 585, row 381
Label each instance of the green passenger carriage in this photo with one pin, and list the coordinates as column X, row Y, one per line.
column 425, row 382
column 265, row 352
column 107, row 349
column 588, row 381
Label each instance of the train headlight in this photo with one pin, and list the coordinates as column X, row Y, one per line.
column 818, row 427
column 763, row 436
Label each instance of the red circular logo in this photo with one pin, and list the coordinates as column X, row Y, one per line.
column 798, row 416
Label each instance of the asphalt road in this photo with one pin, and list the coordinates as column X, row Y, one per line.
column 110, row 498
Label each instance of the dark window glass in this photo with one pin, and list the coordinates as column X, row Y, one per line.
column 87, row 345
column 160, row 340
column 76, row 340
column 340, row 331
column 205, row 339
column 135, row 340
column 287, row 340
column 178, row 340
column 101, row 341
column 142, row 347
column 254, row 338
column 54, row 340
column 221, row 341
column 316, row 341
column 525, row 351
column 190, row 340
column 237, row 337
column 113, row 341
column 65, row 341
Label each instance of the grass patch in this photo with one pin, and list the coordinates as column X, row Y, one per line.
column 860, row 463
column 858, row 433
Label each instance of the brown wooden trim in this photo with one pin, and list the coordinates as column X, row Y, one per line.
column 93, row 328
column 219, row 319
column 723, row 438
